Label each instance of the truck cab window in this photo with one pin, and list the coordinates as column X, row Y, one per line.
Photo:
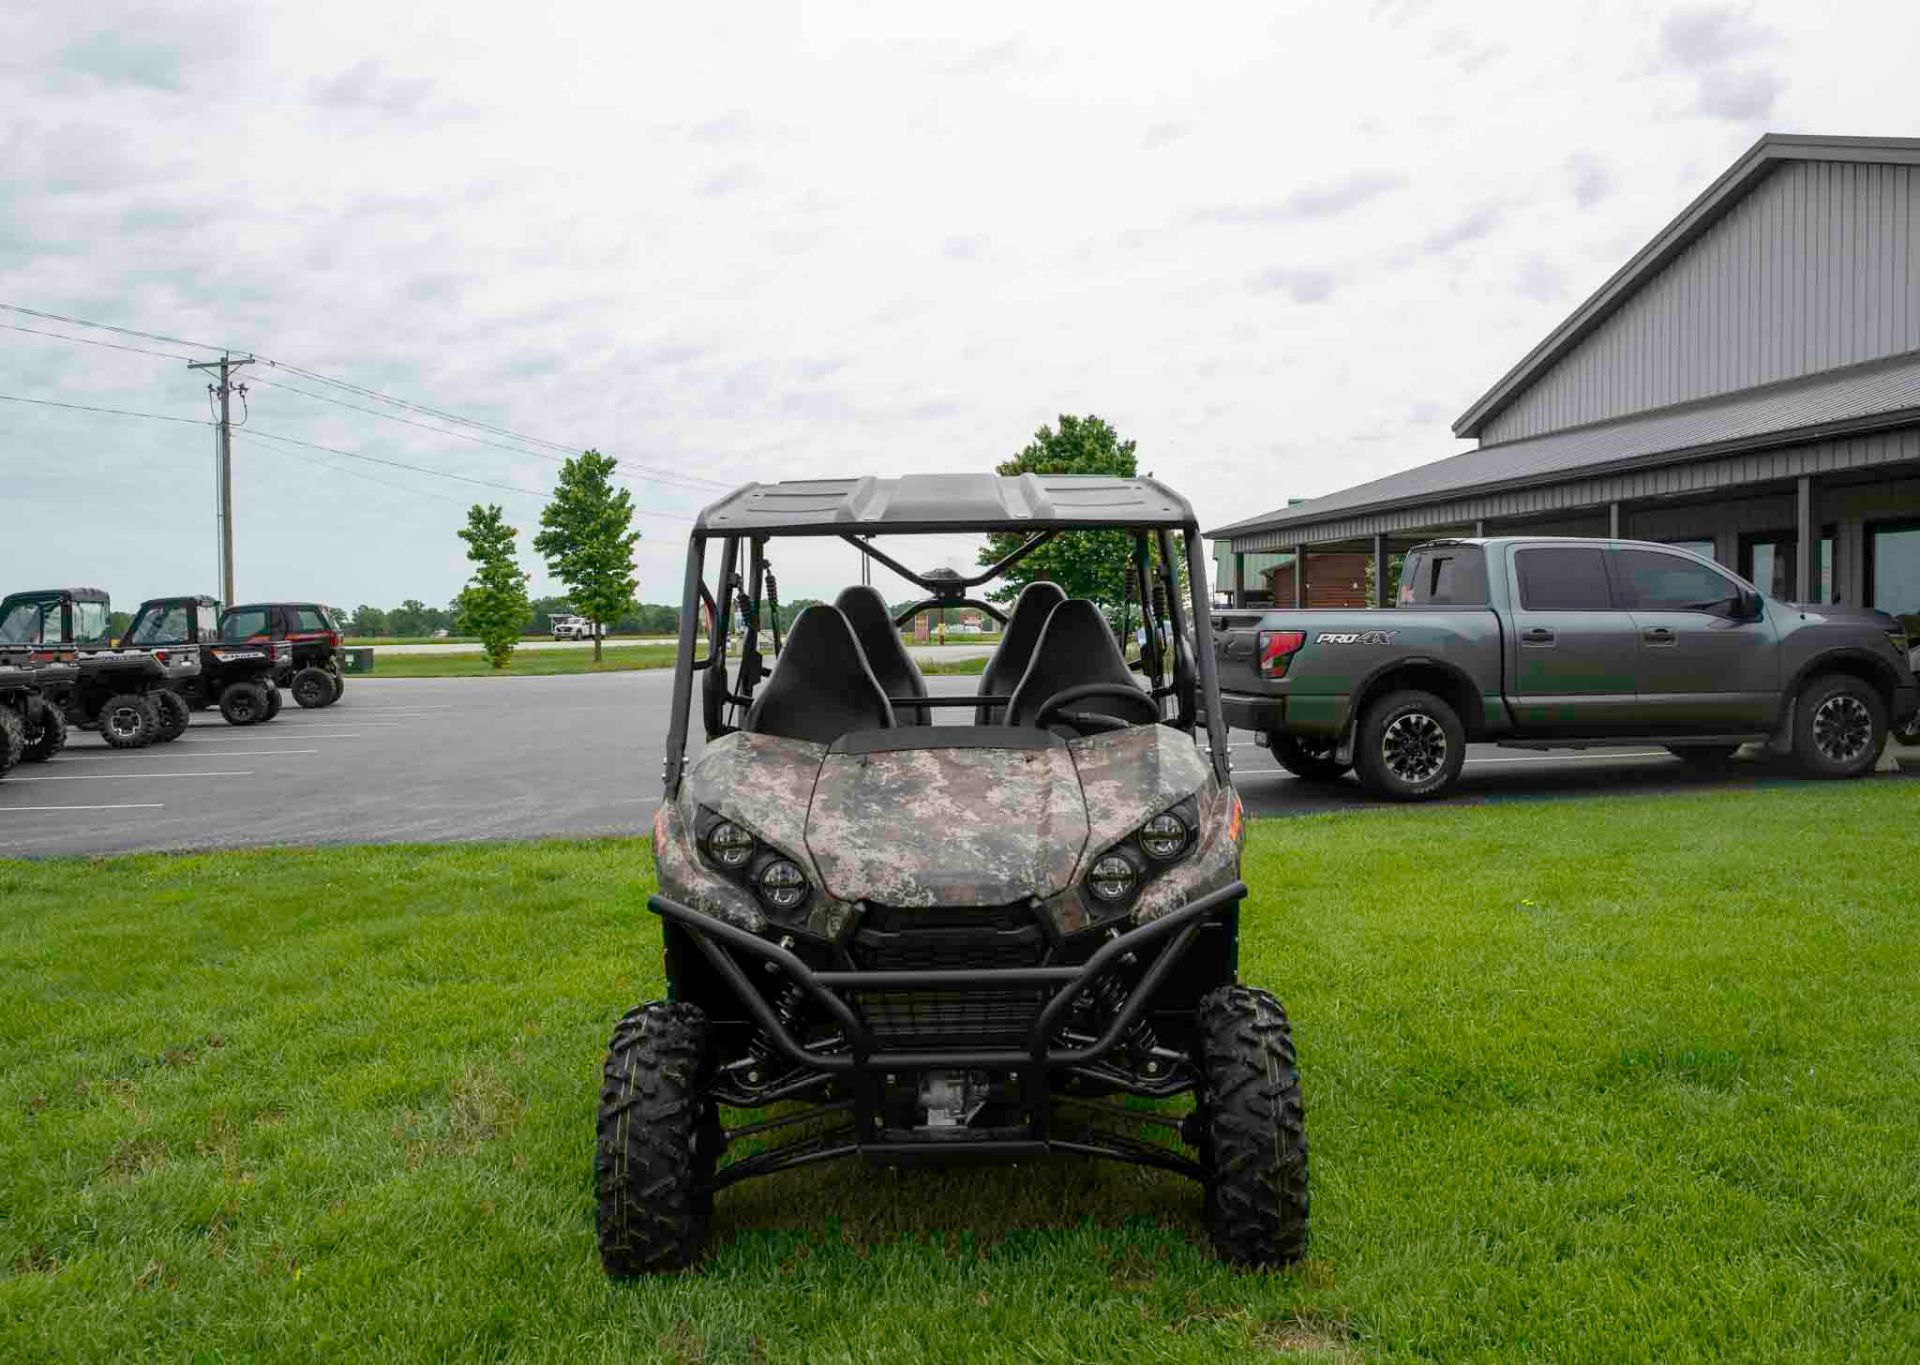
column 1656, row 582
column 1563, row 578
column 1452, row 577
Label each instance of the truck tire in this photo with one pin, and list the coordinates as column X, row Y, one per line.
column 175, row 715
column 244, row 703
column 1839, row 727
column 129, row 721
column 1310, row 759
column 1252, row 1128
column 658, row 1138
column 1409, row 747
column 339, row 685
column 46, row 732
column 273, row 702
column 13, row 740
column 312, row 687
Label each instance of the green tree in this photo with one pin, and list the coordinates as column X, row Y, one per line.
column 409, row 618
column 588, row 538
column 494, row 603
column 369, row 623
column 1090, row 564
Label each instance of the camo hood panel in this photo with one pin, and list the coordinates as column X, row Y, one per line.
column 760, row 781
column 1129, row 775
column 921, row 828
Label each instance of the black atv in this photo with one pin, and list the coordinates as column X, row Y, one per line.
column 123, row 693
column 310, row 666
column 895, row 937
column 238, row 678
column 32, row 730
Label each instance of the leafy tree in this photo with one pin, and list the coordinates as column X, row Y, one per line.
column 1090, row 564
column 409, row 618
column 494, row 603
column 544, row 610
column 587, row 539
column 369, row 622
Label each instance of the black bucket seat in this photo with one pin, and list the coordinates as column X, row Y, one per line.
column 1076, row 648
column 821, row 687
column 893, row 668
column 1009, row 662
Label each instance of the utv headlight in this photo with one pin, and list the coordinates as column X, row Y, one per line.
column 781, row 884
column 728, row 846
column 1113, row 878
column 1165, row 837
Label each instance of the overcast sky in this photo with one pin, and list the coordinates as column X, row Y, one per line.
column 1280, row 247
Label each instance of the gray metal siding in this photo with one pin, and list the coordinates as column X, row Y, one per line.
column 1818, row 266
column 1677, row 480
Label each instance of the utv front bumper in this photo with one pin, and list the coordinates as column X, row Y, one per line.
column 869, row 1059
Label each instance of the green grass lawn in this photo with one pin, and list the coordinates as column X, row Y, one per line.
column 1612, row 1080
column 534, row 663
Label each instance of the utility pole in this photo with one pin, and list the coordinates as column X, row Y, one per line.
column 223, row 459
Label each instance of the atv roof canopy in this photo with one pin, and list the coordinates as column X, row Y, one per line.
column 945, row 502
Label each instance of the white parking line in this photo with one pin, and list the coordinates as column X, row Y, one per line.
column 122, row 755
column 255, row 739
column 135, row 805
column 123, row 777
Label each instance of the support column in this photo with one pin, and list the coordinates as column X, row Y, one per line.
column 1239, row 579
column 1803, row 557
column 1480, row 528
column 1613, row 520
column 1299, row 575
column 1382, row 589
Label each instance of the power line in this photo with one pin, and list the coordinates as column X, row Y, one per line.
column 90, row 341
column 109, row 327
column 118, row 412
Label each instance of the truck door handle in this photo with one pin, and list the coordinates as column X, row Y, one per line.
column 1539, row 635
column 1659, row 635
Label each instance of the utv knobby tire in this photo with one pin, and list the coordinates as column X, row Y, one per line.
column 1312, row 760
column 46, row 732
column 1409, row 746
column 175, row 715
column 244, row 703
column 13, row 740
column 1252, row 1128
column 1839, row 727
column 273, row 702
column 657, row 1142
column 129, row 720
column 312, row 688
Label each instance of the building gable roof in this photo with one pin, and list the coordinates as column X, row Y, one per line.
column 1712, row 204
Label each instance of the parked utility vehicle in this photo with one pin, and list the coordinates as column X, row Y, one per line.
column 32, row 730
column 310, row 665
column 1545, row 643
column 920, row 940
column 576, row 628
column 238, row 678
column 124, row 693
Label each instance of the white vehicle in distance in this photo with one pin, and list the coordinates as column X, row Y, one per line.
column 576, row 628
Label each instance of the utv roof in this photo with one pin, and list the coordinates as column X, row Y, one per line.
column 945, row 502
column 59, row 594
column 199, row 597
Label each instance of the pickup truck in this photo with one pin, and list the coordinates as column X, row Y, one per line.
column 1541, row 643
column 576, row 628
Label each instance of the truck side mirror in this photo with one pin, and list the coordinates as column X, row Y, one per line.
column 1752, row 605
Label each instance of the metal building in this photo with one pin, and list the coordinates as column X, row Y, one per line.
column 1748, row 385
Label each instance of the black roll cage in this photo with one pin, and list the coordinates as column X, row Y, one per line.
column 1178, row 663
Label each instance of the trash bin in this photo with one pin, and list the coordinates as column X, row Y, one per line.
column 358, row 660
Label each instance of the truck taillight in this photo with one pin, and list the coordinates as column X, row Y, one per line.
column 333, row 639
column 1277, row 648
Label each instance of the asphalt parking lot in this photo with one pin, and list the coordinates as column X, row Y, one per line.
column 515, row 758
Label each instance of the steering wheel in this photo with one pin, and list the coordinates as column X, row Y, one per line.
column 1092, row 722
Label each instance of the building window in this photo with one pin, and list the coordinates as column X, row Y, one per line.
column 1703, row 548
column 1893, row 568
column 1770, row 559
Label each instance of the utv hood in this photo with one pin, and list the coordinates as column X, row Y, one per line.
column 916, row 820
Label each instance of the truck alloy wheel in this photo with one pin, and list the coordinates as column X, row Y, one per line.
column 313, row 687
column 129, row 721
column 1839, row 726
column 1409, row 746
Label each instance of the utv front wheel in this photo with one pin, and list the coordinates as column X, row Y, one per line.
column 1312, row 759
column 13, row 741
column 174, row 713
column 1409, row 747
column 244, row 704
column 1252, row 1129
column 46, row 732
column 129, row 721
column 313, row 687
column 658, row 1140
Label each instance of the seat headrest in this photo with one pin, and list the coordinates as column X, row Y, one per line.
column 1009, row 662
column 1075, row 647
column 893, row 668
column 821, row 687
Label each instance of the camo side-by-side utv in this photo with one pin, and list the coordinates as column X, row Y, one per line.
column 124, row 693
column 238, row 678
column 909, row 923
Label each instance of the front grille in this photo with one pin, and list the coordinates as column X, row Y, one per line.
column 893, row 938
